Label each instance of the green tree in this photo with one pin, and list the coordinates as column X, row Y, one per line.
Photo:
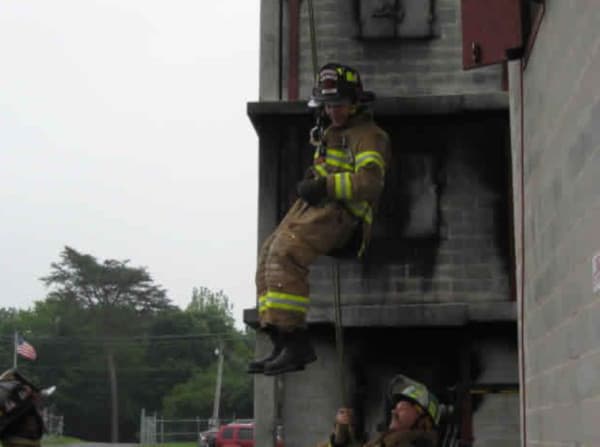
column 165, row 357
column 114, row 295
column 211, row 313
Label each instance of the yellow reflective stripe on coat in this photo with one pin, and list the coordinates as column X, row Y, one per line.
column 339, row 159
column 339, row 164
column 361, row 210
column 321, row 170
column 367, row 157
column 336, row 153
column 285, row 301
column 342, row 189
column 262, row 301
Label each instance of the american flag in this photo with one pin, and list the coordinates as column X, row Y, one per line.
column 24, row 349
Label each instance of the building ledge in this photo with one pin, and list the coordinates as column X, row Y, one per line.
column 393, row 106
column 409, row 315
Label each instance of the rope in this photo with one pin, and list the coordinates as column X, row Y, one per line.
column 313, row 39
column 339, row 330
column 339, row 338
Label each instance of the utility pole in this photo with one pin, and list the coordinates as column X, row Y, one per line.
column 15, row 350
column 215, row 416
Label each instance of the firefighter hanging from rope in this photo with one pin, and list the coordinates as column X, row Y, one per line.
column 336, row 204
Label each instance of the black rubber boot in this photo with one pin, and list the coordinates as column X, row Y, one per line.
column 258, row 366
column 297, row 352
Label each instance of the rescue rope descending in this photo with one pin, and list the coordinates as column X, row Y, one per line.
column 339, row 330
column 339, row 338
column 313, row 39
column 335, row 266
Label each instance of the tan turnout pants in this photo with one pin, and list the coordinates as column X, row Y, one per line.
column 305, row 233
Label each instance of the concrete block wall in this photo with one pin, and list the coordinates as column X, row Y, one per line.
column 557, row 120
column 471, row 264
column 496, row 421
column 310, row 399
column 496, row 416
column 401, row 67
column 468, row 261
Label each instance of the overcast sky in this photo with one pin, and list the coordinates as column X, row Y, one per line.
column 123, row 134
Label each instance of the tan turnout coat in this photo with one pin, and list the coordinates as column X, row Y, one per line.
column 353, row 159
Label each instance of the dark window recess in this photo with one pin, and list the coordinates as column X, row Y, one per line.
column 228, row 433
column 245, row 434
column 410, row 200
column 492, row 31
column 388, row 19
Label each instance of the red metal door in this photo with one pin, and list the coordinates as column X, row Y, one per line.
column 492, row 31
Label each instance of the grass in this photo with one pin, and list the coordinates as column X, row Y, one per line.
column 66, row 440
column 178, row 444
column 60, row 440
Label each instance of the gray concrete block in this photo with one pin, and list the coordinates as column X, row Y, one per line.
column 336, row 31
column 579, row 153
column 555, row 349
column 535, row 325
column 566, row 393
column 586, row 377
column 496, row 422
column 590, row 415
column 572, row 297
column 264, row 405
column 319, row 389
column 551, row 312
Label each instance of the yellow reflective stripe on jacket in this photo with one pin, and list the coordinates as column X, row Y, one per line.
column 281, row 300
column 339, row 164
column 321, row 170
column 366, row 157
column 339, row 159
column 262, row 302
column 360, row 209
column 336, row 153
column 342, row 182
column 342, row 186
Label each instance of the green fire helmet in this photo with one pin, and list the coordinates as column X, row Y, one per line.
column 338, row 84
column 404, row 388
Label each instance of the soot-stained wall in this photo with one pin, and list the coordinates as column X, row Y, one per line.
column 441, row 233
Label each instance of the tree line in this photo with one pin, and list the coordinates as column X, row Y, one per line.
column 113, row 343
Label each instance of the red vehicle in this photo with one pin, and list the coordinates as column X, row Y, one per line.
column 235, row 435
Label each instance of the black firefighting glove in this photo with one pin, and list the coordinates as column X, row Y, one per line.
column 312, row 190
column 309, row 174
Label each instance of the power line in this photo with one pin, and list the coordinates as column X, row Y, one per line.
column 127, row 339
column 101, row 371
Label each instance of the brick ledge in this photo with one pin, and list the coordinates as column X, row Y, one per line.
column 409, row 315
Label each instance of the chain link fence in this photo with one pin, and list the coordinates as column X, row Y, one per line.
column 54, row 423
column 157, row 430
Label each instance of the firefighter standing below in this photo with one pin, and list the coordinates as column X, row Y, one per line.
column 21, row 423
column 337, row 201
column 413, row 421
